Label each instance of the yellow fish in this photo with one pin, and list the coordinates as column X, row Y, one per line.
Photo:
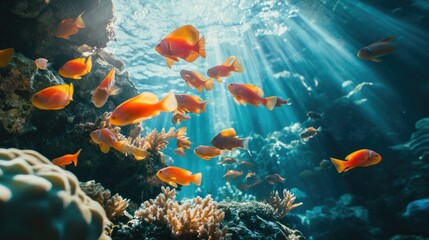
column 175, row 175
column 53, row 98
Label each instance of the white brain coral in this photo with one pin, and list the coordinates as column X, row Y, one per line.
column 39, row 200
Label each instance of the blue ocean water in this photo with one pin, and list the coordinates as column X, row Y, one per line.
column 302, row 50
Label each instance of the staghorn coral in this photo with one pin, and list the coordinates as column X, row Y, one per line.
column 39, row 200
column 198, row 219
column 282, row 206
column 113, row 205
column 154, row 141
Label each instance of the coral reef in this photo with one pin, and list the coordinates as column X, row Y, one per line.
column 230, row 193
column 113, row 205
column 196, row 220
column 282, row 206
column 255, row 220
column 39, row 200
column 419, row 140
column 416, row 216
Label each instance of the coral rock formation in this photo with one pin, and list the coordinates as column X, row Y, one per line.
column 39, row 200
column 282, row 206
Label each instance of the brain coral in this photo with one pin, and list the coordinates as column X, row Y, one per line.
column 39, row 200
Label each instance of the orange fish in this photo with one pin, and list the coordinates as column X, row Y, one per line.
column 273, row 179
column 66, row 159
column 281, row 102
column 250, row 176
column 175, row 175
column 42, row 63
column 248, row 93
column 309, row 133
column 142, row 107
column 184, row 43
column 359, row 158
column 106, row 139
column 188, row 103
column 76, row 68
column 105, row 89
column 207, row 152
column 196, row 80
column 182, row 142
column 5, row 56
column 231, row 174
column 230, row 65
column 69, row 27
column 177, row 117
column 227, row 139
column 53, row 98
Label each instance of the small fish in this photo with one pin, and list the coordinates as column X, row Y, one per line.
column 245, row 186
column 188, row 103
column 53, row 98
column 273, row 179
column 324, row 164
column 245, row 165
column 182, row 142
column 227, row 161
column 184, row 43
column 314, row 115
column 105, row 89
column 196, row 80
column 106, row 139
column 250, row 176
column 307, row 173
column 69, row 27
column 76, row 68
column 5, row 56
column 66, row 159
column 142, row 107
column 175, row 175
column 231, row 174
column 42, row 63
column 177, row 117
column 227, row 139
column 378, row 49
column 281, row 102
column 309, row 133
column 207, row 152
column 248, row 93
column 359, row 158
column 232, row 64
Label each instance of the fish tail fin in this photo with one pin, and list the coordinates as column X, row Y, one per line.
column 169, row 103
column 76, row 155
column 114, row 91
column 203, row 105
column 208, row 84
column 89, row 64
column 202, row 47
column 196, row 178
column 340, row 165
column 79, row 21
column 270, row 102
column 236, row 66
column 246, row 144
column 287, row 101
column 71, row 91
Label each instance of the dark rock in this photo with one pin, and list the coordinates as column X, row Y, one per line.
column 416, row 216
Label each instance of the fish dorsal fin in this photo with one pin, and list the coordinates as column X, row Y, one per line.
column 388, row 39
column 111, row 77
column 229, row 61
column 187, row 33
column 229, row 132
column 355, row 154
column 254, row 89
column 181, row 170
column 147, row 97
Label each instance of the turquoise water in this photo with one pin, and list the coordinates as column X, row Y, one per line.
column 303, row 50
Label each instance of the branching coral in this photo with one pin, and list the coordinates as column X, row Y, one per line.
column 154, row 141
column 39, row 200
column 199, row 219
column 113, row 205
column 282, row 206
